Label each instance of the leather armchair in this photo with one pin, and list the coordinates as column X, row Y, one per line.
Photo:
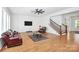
column 42, row 30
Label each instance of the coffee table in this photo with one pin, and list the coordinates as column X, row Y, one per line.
column 37, row 35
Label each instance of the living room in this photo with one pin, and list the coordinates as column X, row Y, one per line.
column 28, row 20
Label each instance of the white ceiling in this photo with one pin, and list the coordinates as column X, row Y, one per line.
column 28, row 10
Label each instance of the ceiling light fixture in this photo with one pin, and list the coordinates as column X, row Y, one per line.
column 38, row 11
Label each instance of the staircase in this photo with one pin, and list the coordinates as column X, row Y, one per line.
column 60, row 29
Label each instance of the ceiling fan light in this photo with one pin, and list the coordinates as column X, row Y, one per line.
column 39, row 11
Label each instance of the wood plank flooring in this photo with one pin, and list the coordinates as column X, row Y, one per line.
column 54, row 43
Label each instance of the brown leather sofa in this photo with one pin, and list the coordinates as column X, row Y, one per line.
column 12, row 40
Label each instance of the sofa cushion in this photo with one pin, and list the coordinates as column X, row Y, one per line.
column 12, row 38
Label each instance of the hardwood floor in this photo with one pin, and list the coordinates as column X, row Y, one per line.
column 54, row 43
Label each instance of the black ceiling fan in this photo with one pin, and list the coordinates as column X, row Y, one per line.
column 39, row 11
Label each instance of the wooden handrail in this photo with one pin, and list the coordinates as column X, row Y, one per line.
column 55, row 22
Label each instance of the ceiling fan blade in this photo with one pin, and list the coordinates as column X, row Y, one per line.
column 43, row 11
column 38, row 13
column 36, row 10
column 40, row 10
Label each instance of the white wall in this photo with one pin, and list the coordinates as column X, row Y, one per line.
column 17, row 23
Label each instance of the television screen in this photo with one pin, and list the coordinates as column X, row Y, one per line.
column 28, row 23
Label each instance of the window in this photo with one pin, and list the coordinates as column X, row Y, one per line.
column 77, row 23
column 8, row 21
column 0, row 21
column 4, row 20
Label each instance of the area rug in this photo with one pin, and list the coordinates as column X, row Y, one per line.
column 38, row 39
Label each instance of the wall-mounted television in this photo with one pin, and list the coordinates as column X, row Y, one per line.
column 27, row 23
